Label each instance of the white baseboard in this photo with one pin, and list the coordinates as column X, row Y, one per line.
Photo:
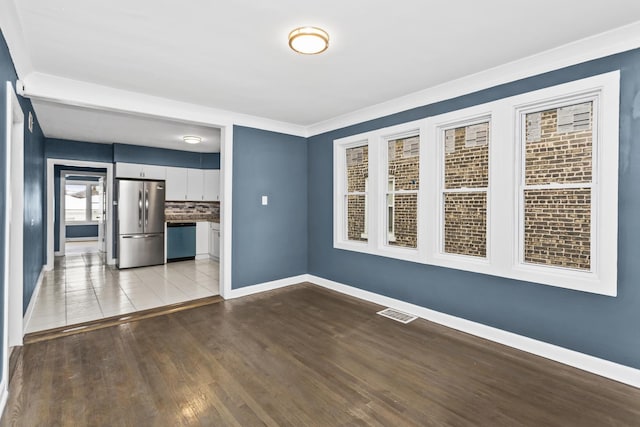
column 605, row 368
column 4, row 394
column 81, row 239
column 267, row 286
column 111, row 261
column 32, row 301
column 202, row 256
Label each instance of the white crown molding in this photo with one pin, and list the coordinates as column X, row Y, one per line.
column 47, row 87
column 11, row 26
column 600, row 45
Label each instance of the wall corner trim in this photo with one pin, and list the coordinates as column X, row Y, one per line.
column 266, row 286
column 595, row 365
column 32, row 303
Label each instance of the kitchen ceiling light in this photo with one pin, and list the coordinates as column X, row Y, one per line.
column 192, row 139
column 309, row 40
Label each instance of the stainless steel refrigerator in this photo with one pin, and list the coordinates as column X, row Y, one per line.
column 140, row 223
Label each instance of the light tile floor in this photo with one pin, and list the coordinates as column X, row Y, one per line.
column 81, row 288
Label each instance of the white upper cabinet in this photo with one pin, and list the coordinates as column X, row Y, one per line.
column 212, row 185
column 134, row 170
column 181, row 183
column 195, row 184
column 176, row 182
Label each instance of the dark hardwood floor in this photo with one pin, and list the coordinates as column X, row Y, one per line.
column 300, row 356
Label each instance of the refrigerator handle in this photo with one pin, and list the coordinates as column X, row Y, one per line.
column 146, row 207
column 140, row 208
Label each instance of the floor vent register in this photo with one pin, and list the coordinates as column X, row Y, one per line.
column 396, row 315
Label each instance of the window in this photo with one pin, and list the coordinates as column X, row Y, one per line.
column 403, row 179
column 523, row 187
column 464, row 189
column 82, row 202
column 556, row 186
column 357, row 176
column 377, row 178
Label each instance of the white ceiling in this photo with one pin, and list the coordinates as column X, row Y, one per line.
column 234, row 55
column 106, row 127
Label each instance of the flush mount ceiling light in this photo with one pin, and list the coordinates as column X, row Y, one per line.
column 192, row 139
column 309, row 40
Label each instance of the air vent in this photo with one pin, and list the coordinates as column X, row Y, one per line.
column 396, row 315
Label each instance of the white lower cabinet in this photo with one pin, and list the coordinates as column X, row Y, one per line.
column 202, row 240
column 214, row 240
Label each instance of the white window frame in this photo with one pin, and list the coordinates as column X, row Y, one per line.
column 604, row 92
column 504, row 208
column 340, row 232
column 376, row 195
column 391, row 185
column 88, row 208
column 397, row 132
column 442, row 127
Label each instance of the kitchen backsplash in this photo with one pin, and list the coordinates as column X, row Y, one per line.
column 192, row 211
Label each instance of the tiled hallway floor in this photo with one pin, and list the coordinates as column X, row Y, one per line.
column 81, row 288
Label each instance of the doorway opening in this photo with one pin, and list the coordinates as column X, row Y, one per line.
column 86, row 187
column 81, row 211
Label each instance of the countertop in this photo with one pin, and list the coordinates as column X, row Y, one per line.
column 191, row 218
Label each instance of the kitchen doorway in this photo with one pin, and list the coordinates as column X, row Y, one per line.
column 90, row 214
column 82, row 216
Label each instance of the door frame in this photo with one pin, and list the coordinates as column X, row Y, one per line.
column 14, row 232
column 110, row 260
column 63, row 223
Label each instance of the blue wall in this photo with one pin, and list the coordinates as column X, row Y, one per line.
column 269, row 242
column 85, row 230
column 111, row 153
column 78, row 150
column 163, row 157
column 34, row 240
column 33, row 229
column 34, row 234
column 601, row 326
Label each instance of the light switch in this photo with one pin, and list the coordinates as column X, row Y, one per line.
column 265, row 200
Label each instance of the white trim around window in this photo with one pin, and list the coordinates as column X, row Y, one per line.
column 504, row 206
column 377, row 187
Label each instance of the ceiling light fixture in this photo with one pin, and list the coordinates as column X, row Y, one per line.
column 309, row 40
column 192, row 139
